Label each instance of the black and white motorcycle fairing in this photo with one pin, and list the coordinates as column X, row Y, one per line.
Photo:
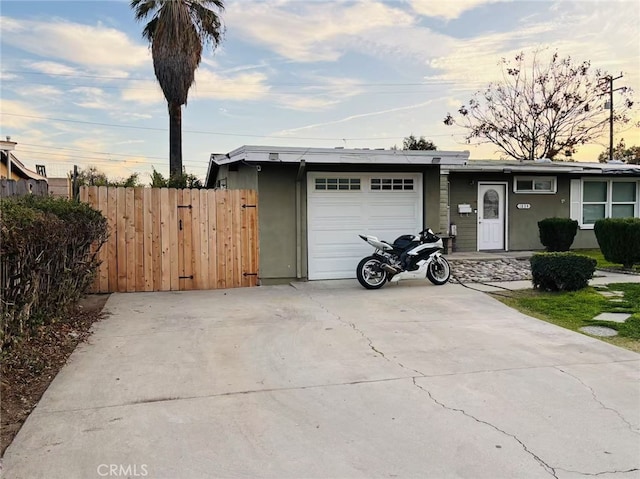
column 409, row 257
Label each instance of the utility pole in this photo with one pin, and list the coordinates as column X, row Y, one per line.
column 610, row 79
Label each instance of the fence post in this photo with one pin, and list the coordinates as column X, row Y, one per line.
column 76, row 190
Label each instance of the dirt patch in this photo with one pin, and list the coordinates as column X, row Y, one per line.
column 29, row 367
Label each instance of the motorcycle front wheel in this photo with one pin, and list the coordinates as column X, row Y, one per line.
column 439, row 271
column 369, row 273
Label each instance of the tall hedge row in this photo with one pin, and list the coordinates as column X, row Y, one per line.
column 48, row 251
column 619, row 240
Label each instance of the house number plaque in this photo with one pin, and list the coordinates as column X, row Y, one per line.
column 523, row 206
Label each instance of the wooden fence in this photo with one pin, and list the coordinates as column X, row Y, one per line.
column 165, row 239
column 10, row 188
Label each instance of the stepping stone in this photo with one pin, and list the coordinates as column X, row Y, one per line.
column 611, row 294
column 615, row 317
column 599, row 331
column 616, row 300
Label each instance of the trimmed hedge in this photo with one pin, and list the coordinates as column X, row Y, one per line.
column 48, row 251
column 557, row 234
column 561, row 271
column 619, row 240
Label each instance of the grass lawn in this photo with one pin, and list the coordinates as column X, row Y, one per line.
column 603, row 263
column 572, row 310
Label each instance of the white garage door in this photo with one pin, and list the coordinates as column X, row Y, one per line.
column 340, row 206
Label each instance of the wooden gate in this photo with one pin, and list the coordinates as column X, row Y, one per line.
column 165, row 239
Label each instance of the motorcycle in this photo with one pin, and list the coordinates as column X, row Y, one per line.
column 409, row 257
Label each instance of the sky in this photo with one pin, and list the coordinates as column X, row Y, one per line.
column 77, row 85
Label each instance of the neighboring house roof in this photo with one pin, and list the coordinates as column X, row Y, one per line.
column 508, row 166
column 334, row 156
column 18, row 168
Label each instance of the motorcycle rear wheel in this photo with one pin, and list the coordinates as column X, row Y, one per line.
column 439, row 271
column 369, row 273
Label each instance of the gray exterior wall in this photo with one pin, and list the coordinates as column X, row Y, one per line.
column 522, row 223
column 282, row 218
column 277, row 222
column 463, row 190
column 431, row 193
column 245, row 178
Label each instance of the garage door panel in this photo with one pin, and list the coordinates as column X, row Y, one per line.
column 336, row 218
column 336, row 239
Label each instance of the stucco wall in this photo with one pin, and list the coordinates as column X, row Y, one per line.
column 245, row 178
column 277, row 221
column 431, row 206
column 276, row 185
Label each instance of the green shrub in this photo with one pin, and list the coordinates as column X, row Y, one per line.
column 619, row 240
column 557, row 234
column 48, row 250
column 561, row 271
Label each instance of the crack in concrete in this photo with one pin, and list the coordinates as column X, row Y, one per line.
column 595, row 398
column 635, row 469
column 353, row 326
column 224, row 394
column 543, row 464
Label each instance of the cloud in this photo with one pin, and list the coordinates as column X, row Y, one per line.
column 471, row 63
column 313, row 32
column 354, row 117
column 52, row 68
column 293, row 102
column 15, row 107
column 447, row 9
column 323, row 93
column 245, row 86
column 92, row 46
column 145, row 92
column 207, row 85
column 92, row 97
column 44, row 92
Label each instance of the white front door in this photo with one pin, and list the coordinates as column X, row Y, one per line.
column 491, row 216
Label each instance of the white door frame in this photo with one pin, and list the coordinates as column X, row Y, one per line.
column 506, row 212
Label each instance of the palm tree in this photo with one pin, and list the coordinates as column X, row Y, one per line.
column 177, row 32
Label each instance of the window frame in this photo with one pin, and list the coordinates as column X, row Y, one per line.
column 533, row 179
column 351, row 183
column 608, row 203
column 406, row 184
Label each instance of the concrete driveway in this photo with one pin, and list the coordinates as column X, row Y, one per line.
column 331, row 380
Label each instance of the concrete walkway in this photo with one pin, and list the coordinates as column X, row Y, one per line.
column 330, row 380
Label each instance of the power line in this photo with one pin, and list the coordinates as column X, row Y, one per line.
column 203, row 164
column 434, row 82
column 265, row 89
column 200, row 132
column 95, row 152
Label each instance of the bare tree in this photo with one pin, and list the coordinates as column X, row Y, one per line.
column 541, row 109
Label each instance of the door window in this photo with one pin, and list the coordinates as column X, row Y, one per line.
column 491, row 205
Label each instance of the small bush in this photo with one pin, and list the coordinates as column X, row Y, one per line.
column 619, row 240
column 561, row 271
column 48, row 251
column 557, row 234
